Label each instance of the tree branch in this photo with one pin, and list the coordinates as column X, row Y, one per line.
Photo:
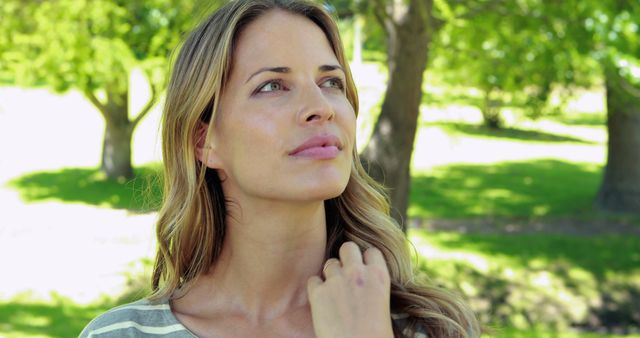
column 94, row 100
column 381, row 14
column 147, row 107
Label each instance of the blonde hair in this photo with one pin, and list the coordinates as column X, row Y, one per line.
column 191, row 224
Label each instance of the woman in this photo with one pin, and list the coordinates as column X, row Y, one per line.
column 270, row 227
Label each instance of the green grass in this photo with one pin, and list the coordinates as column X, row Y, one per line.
column 546, row 283
column 507, row 133
column 509, row 189
column 90, row 186
column 23, row 316
column 597, row 254
column 59, row 318
column 580, row 118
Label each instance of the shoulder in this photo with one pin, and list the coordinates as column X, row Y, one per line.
column 138, row 319
column 401, row 322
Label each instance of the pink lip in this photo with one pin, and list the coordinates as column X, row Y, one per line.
column 321, row 147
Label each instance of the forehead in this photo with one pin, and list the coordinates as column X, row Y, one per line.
column 279, row 38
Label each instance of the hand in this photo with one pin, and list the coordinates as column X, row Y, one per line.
column 353, row 299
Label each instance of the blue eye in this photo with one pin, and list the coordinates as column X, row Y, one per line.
column 270, row 87
column 335, row 82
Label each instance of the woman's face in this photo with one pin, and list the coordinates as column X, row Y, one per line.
column 285, row 129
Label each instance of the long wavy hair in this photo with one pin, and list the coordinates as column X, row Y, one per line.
column 191, row 224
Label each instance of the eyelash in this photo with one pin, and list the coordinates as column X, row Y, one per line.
column 340, row 84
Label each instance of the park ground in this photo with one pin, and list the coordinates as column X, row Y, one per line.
column 504, row 217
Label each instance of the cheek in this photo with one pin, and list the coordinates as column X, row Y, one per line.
column 348, row 120
column 249, row 140
column 252, row 140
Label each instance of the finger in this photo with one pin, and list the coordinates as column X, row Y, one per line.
column 374, row 259
column 350, row 254
column 312, row 284
column 373, row 256
column 331, row 268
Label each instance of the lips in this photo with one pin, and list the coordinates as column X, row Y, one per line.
column 319, row 147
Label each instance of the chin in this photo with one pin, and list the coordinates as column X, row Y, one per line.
column 324, row 189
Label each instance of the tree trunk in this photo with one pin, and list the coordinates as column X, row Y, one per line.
column 116, row 151
column 116, row 146
column 620, row 188
column 491, row 111
column 387, row 156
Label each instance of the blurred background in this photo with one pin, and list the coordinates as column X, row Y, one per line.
column 508, row 130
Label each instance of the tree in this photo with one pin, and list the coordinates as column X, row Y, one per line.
column 615, row 43
column 409, row 27
column 532, row 45
column 93, row 46
column 511, row 54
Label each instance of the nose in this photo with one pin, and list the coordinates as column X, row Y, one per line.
column 315, row 107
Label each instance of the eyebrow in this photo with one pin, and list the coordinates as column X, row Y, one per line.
column 284, row 70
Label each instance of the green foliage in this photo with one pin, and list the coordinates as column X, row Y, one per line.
column 346, row 34
column 90, row 45
column 90, row 186
column 517, row 52
column 510, row 53
column 373, row 35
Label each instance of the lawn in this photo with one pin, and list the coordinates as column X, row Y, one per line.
column 544, row 187
column 59, row 318
column 90, row 186
column 538, row 280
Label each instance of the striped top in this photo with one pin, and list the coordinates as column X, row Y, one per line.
column 144, row 319
column 138, row 319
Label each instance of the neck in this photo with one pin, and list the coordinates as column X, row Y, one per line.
column 269, row 253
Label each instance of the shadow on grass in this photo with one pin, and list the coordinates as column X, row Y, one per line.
column 513, row 189
column 90, row 186
column 540, row 282
column 600, row 255
column 508, row 133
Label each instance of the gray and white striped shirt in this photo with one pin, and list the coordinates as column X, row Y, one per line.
column 145, row 319
column 138, row 319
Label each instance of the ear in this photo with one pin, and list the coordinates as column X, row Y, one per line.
column 206, row 152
